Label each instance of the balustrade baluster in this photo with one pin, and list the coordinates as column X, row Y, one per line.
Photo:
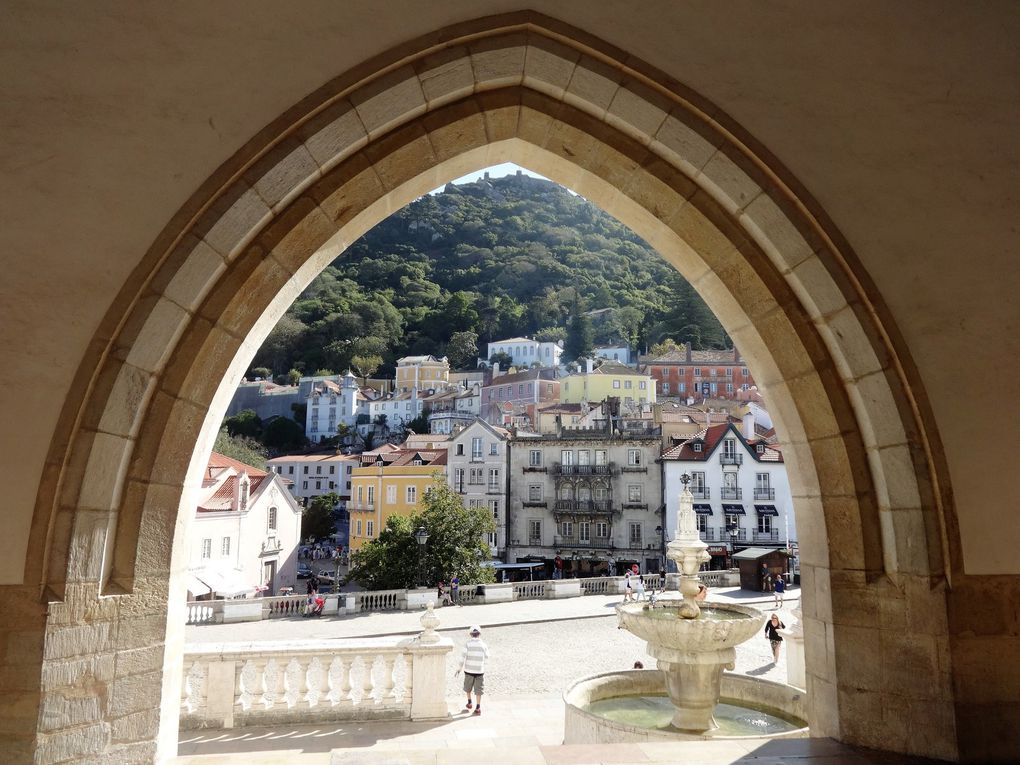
column 386, row 693
column 292, row 678
column 367, row 684
column 315, row 682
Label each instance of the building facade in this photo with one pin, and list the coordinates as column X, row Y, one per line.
column 611, row 378
column 524, row 351
column 517, row 395
column 700, row 374
column 422, row 373
column 332, row 404
column 312, row 475
column 619, row 353
column 478, row 470
column 394, row 485
column 246, row 532
column 740, row 488
column 586, row 497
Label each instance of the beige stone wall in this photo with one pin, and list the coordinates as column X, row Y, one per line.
column 888, row 666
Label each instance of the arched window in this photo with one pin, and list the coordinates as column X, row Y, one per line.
column 566, row 492
column 271, row 525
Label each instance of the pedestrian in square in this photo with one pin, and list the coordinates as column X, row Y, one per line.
column 472, row 664
column 454, row 590
column 772, row 627
column 780, row 588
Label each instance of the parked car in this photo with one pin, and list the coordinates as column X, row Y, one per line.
column 326, row 577
column 304, row 571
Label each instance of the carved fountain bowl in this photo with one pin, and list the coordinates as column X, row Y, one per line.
column 719, row 626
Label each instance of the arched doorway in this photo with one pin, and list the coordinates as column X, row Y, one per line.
column 660, row 159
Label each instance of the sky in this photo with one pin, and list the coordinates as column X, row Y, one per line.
column 496, row 171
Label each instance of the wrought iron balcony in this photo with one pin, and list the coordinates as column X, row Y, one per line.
column 600, row 543
column 730, row 493
column 708, row 535
column 561, row 469
column 584, row 505
column 769, row 494
column 360, row 507
column 766, row 536
column 731, row 459
column 701, row 492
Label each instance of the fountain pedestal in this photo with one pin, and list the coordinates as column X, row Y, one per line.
column 692, row 682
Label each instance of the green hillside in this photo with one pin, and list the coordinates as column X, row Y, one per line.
column 479, row 262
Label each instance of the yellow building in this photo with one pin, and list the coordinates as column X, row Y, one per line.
column 422, row 373
column 394, row 485
column 611, row 378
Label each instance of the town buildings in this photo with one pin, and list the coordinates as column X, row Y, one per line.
column 312, row 475
column 391, row 481
column 455, row 407
column 332, row 404
column 611, row 378
column 245, row 534
column 586, row 494
column 740, row 489
column 709, row 374
column 618, row 352
column 526, row 352
column 516, row 396
column 478, row 470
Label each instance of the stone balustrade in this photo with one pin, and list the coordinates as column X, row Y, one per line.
column 225, row 611
column 310, row 681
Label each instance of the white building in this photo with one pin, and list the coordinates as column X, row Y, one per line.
column 476, row 468
column 619, row 353
column 246, row 532
column 524, row 351
column 456, row 407
column 739, row 485
column 312, row 475
column 331, row 404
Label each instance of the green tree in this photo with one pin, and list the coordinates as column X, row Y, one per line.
column 244, row 423
column 580, row 340
column 323, row 373
column 462, row 349
column 457, row 545
column 282, row 434
column 505, row 360
column 367, row 365
column 293, row 377
column 264, row 373
column 420, row 424
column 241, row 448
column 317, row 520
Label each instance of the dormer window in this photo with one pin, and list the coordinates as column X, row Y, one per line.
column 760, row 448
column 696, row 446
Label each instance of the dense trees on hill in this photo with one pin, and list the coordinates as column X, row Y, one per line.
column 484, row 261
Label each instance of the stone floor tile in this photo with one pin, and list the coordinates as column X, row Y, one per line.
column 576, row 754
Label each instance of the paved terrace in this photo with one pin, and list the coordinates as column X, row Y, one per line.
column 538, row 648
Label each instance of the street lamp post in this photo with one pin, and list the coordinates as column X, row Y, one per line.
column 421, row 536
column 662, row 546
column 734, row 532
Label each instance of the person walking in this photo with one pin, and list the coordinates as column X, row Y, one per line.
column 454, row 590
column 779, row 589
column 628, row 586
column 639, row 584
column 772, row 627
column 472, row 664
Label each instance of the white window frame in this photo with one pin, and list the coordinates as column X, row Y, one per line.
column 411, row 495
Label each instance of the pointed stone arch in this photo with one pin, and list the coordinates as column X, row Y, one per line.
column 876, row 535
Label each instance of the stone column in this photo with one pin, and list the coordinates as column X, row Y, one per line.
column 793, row 636
column 428, row 680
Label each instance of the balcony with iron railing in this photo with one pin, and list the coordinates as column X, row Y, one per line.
column 701, row 492
column 584, row 505
column 561, row 469
column 767, row 494
column 731, row 459
column 728, row 492
column 360, row 507
column 766, row 536
column 494, row 488
column 594, row 543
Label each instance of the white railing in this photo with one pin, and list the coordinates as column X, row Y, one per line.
column 205, row 612
column 284, row 605
column 529, row 590
column 236, row 684
column 598, row 585
column 380, row 600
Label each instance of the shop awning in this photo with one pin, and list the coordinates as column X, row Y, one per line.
column 766, row 509
column 196, row 586
column 734, row 509
column 703, row 509
column 225, row 582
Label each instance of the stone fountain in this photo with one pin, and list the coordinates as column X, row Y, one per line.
column 692, row 645
column 693, row 642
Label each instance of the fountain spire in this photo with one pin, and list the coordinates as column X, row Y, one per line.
column 688, row 551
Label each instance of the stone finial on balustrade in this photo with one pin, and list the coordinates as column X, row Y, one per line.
column 429, row 621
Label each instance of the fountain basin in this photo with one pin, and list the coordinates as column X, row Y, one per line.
column 583, row 726
column 720, row 625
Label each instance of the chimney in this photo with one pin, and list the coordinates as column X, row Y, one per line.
column 589, row 365
column 749, row 434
